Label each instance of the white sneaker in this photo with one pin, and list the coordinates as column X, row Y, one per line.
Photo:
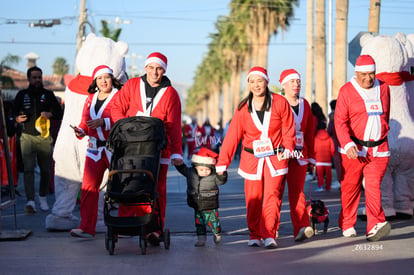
column 253, row 243
column 350, row 232
column 319, row 189
column 379, row 231
column 270, row 243
column 30, row 207
column 304, row 233
column 44, row 206
column 217, row 238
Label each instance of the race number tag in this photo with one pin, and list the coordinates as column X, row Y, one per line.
column 263, row 148
column 299, row 140
column 373, row 107
column 92, row 145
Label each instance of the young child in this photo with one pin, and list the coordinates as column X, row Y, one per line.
column 203, row 193
column 324, row 152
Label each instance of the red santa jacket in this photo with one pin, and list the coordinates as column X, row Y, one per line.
column 324, row 148
column 278, row 125
column 304, row 125
column 131, row 101
column 100, row 133
column 352, row 119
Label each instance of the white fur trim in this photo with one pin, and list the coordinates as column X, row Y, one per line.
column 365, row 68
column 221, row 168
column 258, row 73
column 203, row 160
column 289, row 77
column 323, row 164
column 156, row 60
column 103, row 71
column 176, row 156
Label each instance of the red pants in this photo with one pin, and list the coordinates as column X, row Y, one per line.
column 92, row 179
column 141, row 210
column 321, row 172
column 13, row 160
column 373, row 170
column 295, row 181
column 263, row 205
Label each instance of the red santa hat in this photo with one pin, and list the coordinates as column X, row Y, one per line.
column 287, row 75
column 258, row 71
column 204, row 157
column 158, row 58
column 365, row 63
column 100, row 70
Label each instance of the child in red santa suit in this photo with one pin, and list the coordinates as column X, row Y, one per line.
column 324, row 152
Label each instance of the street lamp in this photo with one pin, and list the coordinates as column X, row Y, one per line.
column 43, row 23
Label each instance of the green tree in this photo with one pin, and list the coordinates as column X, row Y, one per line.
column 60, row 67
column 110, row 33
column 7, row 82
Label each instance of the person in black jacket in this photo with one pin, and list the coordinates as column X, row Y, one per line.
column 203, row 193
column 34, row 107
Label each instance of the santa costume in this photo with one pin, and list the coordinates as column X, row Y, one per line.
column 132, row 100
column 361, row 121
column 271, row 131
column 295, row 179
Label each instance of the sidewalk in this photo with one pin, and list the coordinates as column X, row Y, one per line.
column 58, row 253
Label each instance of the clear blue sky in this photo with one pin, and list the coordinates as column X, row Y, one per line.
column 178, row 28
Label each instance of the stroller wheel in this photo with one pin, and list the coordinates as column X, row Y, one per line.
column 111, row 246
column 143, row 245
column 167, row 238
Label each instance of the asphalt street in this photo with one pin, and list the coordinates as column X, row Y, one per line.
column 44, row 252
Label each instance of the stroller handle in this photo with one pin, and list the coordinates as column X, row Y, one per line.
column 113, row 172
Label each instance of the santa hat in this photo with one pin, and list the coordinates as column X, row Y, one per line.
column 258, row 71
column 100, row 70
column 158, row 58
column 365, row 63
column 287, row 75
column 204, row 157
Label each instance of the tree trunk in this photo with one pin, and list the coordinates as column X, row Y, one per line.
column 341, row 45
column 227, row 114
column 374, row 16
column 320, row 55
column 309, row 53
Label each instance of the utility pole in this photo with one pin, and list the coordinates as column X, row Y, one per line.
column 309, row 52
column 374, row 16
column 81, row 28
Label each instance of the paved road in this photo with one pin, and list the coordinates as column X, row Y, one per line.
column 58, row 253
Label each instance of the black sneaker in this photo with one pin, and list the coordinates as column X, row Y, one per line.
column 153, row 238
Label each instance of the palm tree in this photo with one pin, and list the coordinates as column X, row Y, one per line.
column 320, row 55
column 5, row 81
column 108, row 32
column 60, row 67
column 374, row 16
column 309, row 52
column 341, row 30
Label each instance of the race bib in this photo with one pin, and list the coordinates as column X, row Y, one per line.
column 299, row 140
column 92, row 145
column 373, row 107
column 263, row 148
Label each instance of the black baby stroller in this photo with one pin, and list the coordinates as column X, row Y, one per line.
column 136, row 144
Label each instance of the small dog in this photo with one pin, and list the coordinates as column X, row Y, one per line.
column 318, row 213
